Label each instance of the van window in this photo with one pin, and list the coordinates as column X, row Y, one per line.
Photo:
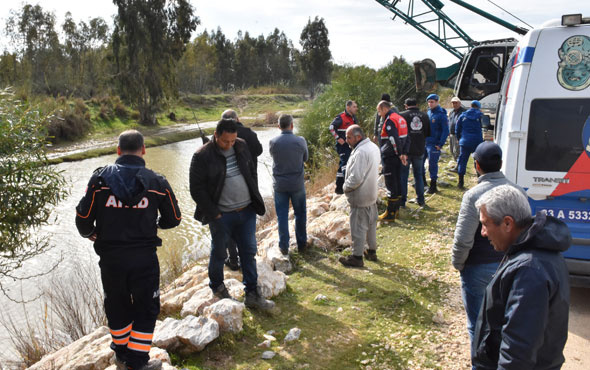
column 554, row 140
column 502, row 98
column 483, row 73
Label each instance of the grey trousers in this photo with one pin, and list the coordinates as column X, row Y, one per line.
column 363, row 228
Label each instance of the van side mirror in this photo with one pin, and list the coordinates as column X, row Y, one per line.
column 486, row 122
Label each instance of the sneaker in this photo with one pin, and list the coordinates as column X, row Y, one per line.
column 351, row 261
column 370, row 255
column 221, row 292
column 151, row 365
column 256, row 301
column 232, row 264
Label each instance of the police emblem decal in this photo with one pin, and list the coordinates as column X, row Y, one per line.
column 574, row 63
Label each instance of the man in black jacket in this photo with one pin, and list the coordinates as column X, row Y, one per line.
column 418, row 130
column 255, row 148
column 119, row 212
column 523, row 321
column 223, row 184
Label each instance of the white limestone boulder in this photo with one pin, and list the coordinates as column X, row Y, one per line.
column 188, row 335
column 227, row 313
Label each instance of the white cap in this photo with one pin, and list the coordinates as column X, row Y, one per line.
column 455, row 99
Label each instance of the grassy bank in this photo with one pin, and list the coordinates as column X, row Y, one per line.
column 388, row 315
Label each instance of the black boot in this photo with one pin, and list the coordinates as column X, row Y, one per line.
column 339, row 185
column 461, row 184
column 432, row 189
column 256, row 301
column 351, row 261
column 389, row 214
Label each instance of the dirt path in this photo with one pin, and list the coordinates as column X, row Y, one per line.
column 577, row 348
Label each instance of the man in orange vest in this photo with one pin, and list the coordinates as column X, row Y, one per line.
column 394, row 145
column 338, row 129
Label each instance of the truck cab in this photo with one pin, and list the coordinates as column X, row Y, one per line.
column 543, row 128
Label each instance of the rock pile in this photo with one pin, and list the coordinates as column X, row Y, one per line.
column 205, row 317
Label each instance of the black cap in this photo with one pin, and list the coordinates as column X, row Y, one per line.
column 386, row 97
column 410, row 102
column 488, row 153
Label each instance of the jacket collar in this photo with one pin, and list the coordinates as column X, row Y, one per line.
column 490, row 176
column 130, row 160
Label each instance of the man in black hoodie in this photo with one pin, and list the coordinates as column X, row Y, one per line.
column 523, row 321
column 119, row 213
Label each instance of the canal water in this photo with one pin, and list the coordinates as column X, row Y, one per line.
column 72, row 254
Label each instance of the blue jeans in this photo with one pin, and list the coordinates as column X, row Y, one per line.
column 417, row 163
column 299, row 208
column 241, row 227
column 433, row 156
column 474, row 280
column 464, row 151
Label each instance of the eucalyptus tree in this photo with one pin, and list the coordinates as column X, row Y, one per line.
column 315, row 56
column 148, row 40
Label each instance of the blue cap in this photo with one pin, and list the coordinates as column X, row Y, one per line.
column 432, row 96
column 476, row 103
column 488, row 153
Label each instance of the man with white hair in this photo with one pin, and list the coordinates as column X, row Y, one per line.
column 523, row 321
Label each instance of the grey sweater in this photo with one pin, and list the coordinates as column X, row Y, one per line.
column 468, row 220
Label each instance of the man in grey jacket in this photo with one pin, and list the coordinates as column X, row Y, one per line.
column 473, row 255
column 289, row 152
column 360, row 187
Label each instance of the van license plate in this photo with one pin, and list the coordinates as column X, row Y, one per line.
column 567, row 215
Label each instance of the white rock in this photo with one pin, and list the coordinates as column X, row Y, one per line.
column 438, row 317
column 339, row 309
column 227, row 313
column 292, row 335
column 267, row 355
column 320, row 297
column 269, row 337
column 277, row 260
column 91, row 352
column 271, row 332
column 271, row 283
column 332, row 227
column 265, row 344
column 197, row 303
column 362, row 290
column 188, row 335
column 340, row 203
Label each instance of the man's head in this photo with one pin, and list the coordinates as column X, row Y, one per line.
column 226, row 133
column 475, row 104
column 504, row 212
column 386, row 97
column 488, row 157
column 131, row 142
column 230, row 114
column 354, row 134
column 383, row 108
column 410, row 102
column 432, row 101
column 286, row 122
column 351, row 107
column 456, row 103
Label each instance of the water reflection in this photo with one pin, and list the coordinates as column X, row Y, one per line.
column 72, row 252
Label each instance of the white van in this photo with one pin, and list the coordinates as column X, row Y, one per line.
column 543, row 127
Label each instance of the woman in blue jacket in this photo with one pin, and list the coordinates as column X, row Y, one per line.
column 468, row 131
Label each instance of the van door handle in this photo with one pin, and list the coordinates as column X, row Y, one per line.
column 517, row 135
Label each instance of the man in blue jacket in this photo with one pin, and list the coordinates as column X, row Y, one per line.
column 468, row 131
column 439, row 131
column 119, row 213
column 523, row 322
column 289, row 153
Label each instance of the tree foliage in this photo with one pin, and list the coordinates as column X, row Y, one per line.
column 148, row 40
column 315, row 56
column 28, row 187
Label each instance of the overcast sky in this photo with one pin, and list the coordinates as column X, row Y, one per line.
column 361, row 31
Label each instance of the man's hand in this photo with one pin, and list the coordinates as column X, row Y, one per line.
column 341, row 141
column 404, row 159
column 218, row 216
column 92, row 237
column 437, row 147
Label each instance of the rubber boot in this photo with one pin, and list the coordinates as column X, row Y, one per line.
column 432, row 189
column 339, row 185
column 461, row 184
column 389, row 214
